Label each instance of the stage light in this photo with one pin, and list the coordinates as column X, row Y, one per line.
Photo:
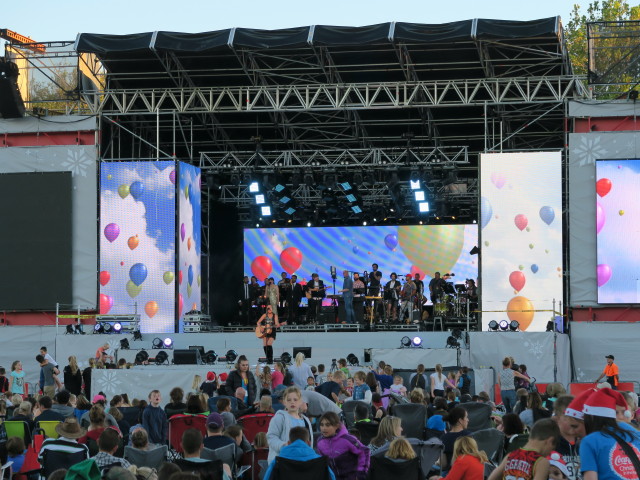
column 456, row 333
column 405, row 342
column 414, row 184
column 98, row 328
column 124, row 344
column 286, row 358
column 231, row 356
column 162, row 357
column 117, row 327
column 265, row 210
column 351, row 198
column 137, row 335
column 156, row 343
column 107, row 328
column 356, row 209
column 493, row 325
column 514, row 325
column 259, row 199
column 416, row 341
column 504, row 325
column 141, row 357
column 167, row 343
column 290, row 211
column 475, row 250
column 419, row 194
column 452, row 342
column 254, row 187
column 70, row 329
column 352, row 359
column 210, row 357
column 423, row 207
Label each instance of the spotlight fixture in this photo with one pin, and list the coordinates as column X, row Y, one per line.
column 156, row 343
column 69, row 329
column 259, row 199
column 141, row 357
column 117, row 327
column 107, row 328
column 265, row 211
column 254, row 187
column 98, row 328
column 452, row 342
column 124, row 344
column 416, row 342
column 286, row 358
column 231, row 356
column 162, row 357
column 405, row 342
column 423, row 207
column 474, row 251
column 514, row 326
column 210, row 357
column 493, row 326
column 352, row 359
column 504, row 325
column 167, row 343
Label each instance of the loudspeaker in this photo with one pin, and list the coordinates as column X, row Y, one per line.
column 186, row 357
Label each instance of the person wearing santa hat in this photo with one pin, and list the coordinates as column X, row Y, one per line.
column 570, row 421
column 557, row 468
column 601, row 456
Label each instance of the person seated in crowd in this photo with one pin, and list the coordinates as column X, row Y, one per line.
column 417, row 396
column 69, row 432
column 552, row 392
column 16, row 453
column 452, row 398
column 176, row 404
column 215, row 438
column 331, row 388
column 23, row 414
column 440, row 408
column 82, row 407
column 522, row 397
column 192, row 445
column 535, row 411
column 390, row 428
column 436, row 427
column 194, row 405
column 223, row 406
column 348, row 458
column 363, row 424
column 468, row 460
column 140, row 440
column 167, row 469
column 458, row 421
column 260, row 440
column 97, row 424
column 298, row 448
column 123, row 425
column 400, row 450
column 62, row 403
column 108, row 444
column 46, row 414
column 512, row 427
column 210, row 385
column 100, row 401
column 265, row 405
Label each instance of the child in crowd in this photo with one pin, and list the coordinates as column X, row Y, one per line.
column 397, row 387
column 195, row 385
column 16, row 452
column 4, row 381
column 260, row 440
column 321, row 377
column 342, row 364
column 347, row 457
column 400, row 450
column 311, row 384
column 16, row 382
column 468, row 461
column 349, row 387
column 285, row 420
column 557, row 467
column 361, row 390
column 154, row 420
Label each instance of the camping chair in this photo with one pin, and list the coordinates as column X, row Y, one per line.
column 286, row 469
column 516, row 442
column 367, row 430
column 6, row 468
column 18, row 428
column 211, row 470
column 226, row 454
column 492, row 442
column 53, row 460
column 253, row 424
column 413, row 417
column 383, row 468
column 48, row 427
column 178, row 424
column 348, row 409
column 428, row 451
column 479, row 415
column 146, row 458
column 253, row 459
column 170, row 412
column 214, row 400
column 131, row 415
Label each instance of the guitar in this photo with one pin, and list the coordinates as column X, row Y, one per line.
column 309, row 290
column 264, row 330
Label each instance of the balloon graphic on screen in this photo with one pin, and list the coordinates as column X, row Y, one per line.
column 151, row 308
column 523, row 318
column 498, row 179
column 416, row 270
column 604, row 274
column 106, row 302
column 547, row 214
column 186, row 191
column 183, row 231
column 199, row 279
column 355, row 249
column 180, row 303
column 620, row 212
column 136, row 189
column 133, row 242
column 138, row 273
column 104, row 277
column 189, row 244
column 520, row 267
column 521, row 221
column 534, row 268
column 189, row 290
column 111, row 231
column 291, row 259
column 123, row 191
column 132, row 289
column 433, row 249
column 486, row 212
column 180, row 277
column 172, row 177
column 391, row 241
column 168, row 277
column 261, row 267
column 531, row 245
column 517, row 280
column 603, row 186
column 190, row 275
column 600, row 217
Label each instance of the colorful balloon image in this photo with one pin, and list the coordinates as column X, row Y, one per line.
column 600, row 217
column 106, row 302
column 168, row 277
column 132, row 289
column 186, row 191
column 199, row 279
column 435, row 249
column 498, row 179
column 151, row 308
column 520, row 267
column 104, row 277
column 172, row 177
column 528, row 229
column 180, row 277
column 355, row 249
column 261, row 267
column 531, row 246
column 136, row 189
column 189, row 291
column 189, row 244
column 190, row 275
column 180, row 303
column 121, row 264
column 183, row 231
column 547, row 214
column 517, row 280
column 133, row 242
column 123, row 191
column 486, row 212
column 604, row 274
column 111, row 231
column 518, row 304
column 603, row 186
column 620, row 212
column 415, row 270
column 391, row 241
column 486, row 243
column 521, row 221
column 138, row 273
column 534, row 268
column 291, row 259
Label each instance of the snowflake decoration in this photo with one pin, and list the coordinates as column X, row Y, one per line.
column 588, row 150
column 580, row 374
column 109, row 382
column 78, row 162
column 535, row 348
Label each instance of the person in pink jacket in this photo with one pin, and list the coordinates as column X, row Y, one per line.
column 347, row 457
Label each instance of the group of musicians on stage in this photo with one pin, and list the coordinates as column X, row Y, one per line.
column 389, row 302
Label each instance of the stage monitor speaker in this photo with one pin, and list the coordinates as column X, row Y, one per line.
column 186, row 357
column 305, row 350
column 367, row 355
column 11, row 104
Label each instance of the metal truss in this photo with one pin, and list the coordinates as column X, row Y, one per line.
column 351, row 96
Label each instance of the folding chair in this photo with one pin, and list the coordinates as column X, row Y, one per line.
column 253, row 424
column 178, row 424
column 214, row 400
column 6, row 468
column 367, row 430
column 492, row 442
column 286, row 469
column 479, row 415
column 18, row 428
column 383, row 468
column 348, row 410
column 211, row 470
column 253, row 459
column 131, row 415
column 53, row 460
column 428, row 451
column 413, row 417
column 226, row 454
column 48, row 427
column 170, row 412
column 515, row 442
column 146, row 458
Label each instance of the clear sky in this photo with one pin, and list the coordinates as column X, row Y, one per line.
column 49, row 20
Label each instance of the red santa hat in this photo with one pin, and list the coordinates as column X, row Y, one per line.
column 577, row 405
column 603, row 403
column 556, row 460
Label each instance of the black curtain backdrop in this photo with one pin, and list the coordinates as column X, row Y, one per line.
column 226, row 259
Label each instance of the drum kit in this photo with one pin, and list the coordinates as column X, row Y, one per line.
column 453, row 302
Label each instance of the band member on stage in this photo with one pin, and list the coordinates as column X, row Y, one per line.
column 419, row 291
column 391, row 292
column 358, row 285
column 407, row 298
column 472, row 295
column 269, row 323
column 245, row 301
column 293, row 300
column 317, row 291
column 283, row 286
column 374, row 291
column 272, row 294
column 374, row 281
column 347, row 296
column 436, row 288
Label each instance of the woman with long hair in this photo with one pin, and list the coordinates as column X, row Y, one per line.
column 439, row 382
column 97, row 424
column 506, row 379
column 370, row 380
column 458, row 422
column 400, row 450
column 277, row 375
column 468, row 461
column 265, row 377
column 390, row 428
column 300, row 371
column 242, row 377
column 268, row 323
column 535, row 411
column 73, row 376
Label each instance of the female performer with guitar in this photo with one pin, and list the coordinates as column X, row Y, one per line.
column 266, row 330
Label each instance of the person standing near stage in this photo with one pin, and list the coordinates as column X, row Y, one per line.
column 245, row 301
column 317, row 291
column 436, row 288
column 272, row 293
column 284, row 285
column 419, row 291
column 374, row 279
column 407, row 298
column 268, row 323
column 293, row 300
column 391, row 291
column 611, row 372
column 347, row 296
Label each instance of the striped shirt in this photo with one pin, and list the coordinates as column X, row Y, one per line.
column 62, row 444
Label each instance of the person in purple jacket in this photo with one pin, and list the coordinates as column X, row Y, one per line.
column 347, row 457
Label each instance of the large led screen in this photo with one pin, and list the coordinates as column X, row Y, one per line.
column 617, row 230
column 137, row 242
column 189, row 239
column 400, row 249
column 521, row 237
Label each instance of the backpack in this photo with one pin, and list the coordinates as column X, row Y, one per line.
column 418, row 381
